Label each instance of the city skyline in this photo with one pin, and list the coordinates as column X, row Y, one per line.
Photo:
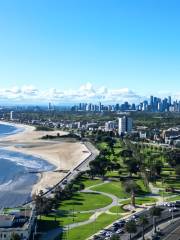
column 126, row 45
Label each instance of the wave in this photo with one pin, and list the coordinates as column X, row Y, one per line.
column 6, row 184
column 9, row 129
column 27, row 161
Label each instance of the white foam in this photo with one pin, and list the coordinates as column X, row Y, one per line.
column 6, row 184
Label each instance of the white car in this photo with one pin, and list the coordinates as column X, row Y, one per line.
column 119, row 231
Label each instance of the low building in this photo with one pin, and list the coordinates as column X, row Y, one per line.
column 109, row 126
column 142, row 135
column 17, row 221
column 171, row 134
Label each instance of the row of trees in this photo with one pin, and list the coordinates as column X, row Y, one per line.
column 44, row 205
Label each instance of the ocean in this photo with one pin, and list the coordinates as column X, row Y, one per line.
column 18, row 172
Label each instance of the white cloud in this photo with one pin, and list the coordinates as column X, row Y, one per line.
column 86, row 93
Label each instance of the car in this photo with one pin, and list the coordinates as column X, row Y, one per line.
column 64, row 182
column 155, row 236
column 120, row 224
column 97, row 237
column 174, row 209
column 102, row 232
column 135, row 216
column 122, row 221
column 119, row 231
column 108, row 234
column 117, row 225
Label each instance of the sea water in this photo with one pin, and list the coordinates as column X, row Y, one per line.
column 18, row 172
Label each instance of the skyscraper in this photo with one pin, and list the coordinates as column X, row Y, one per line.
column 124, row 125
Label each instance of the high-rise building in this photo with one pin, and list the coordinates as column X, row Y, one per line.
column 50, row 107
column 169, row 100
column 12, row 115
column 124, row 125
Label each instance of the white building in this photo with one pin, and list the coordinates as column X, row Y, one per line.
column 124, row 125
column 20, row 222
column 11, row 115
column 109, row 126
column 142, row 135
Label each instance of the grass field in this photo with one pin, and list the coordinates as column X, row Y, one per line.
column 173, row 182
column 173, row 198
column 117, row 209
column 52, row 221
column 143, row 189
column 88, row 182
column 114, row 188
column 141, row 200
column 83, row 232
column 85, row 202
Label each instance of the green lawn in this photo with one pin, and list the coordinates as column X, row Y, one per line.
column 173, row 198
column 52, row 221
column 117, row 209
column 146, row 200
column 114, row 188
column 85, row 202
column 87, row 181
column 83, row 232
column 112, row 174
column 90, row 182
column 143, row 188
column 173, row 182
column 141, row 200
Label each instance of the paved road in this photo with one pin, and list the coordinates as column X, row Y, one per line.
column 174, row 235
column 162, row 223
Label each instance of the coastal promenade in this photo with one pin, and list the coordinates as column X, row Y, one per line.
column 83, row 166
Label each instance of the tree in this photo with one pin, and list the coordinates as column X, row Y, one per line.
column 131, row 227
column 131, row 187
column 99, row 166
column 177, row 169
column 42, row 203
column 115, row 237
column 143, row 221
column 15, row 236
column 155, row 212
column 132, row 165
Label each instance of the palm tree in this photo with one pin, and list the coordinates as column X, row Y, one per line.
column 155, row 212
column 15, row 236
column 115, row 237
column 131, row 227
column 143, row 221
column 131, row 187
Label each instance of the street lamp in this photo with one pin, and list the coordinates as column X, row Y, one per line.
column 171, row 210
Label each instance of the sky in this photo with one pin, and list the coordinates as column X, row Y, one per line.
column 65, row 50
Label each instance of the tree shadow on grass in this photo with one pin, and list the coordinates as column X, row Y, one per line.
column 47, row 225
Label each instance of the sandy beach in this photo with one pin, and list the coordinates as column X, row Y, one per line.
column 63, row 155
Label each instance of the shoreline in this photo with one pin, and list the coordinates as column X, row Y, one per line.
column 62, row 154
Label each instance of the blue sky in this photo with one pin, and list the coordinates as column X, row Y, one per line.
column 64, row 44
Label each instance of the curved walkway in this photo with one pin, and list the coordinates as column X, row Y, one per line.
column 115, row 201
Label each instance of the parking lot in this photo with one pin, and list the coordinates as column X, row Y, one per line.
column 169, row 211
